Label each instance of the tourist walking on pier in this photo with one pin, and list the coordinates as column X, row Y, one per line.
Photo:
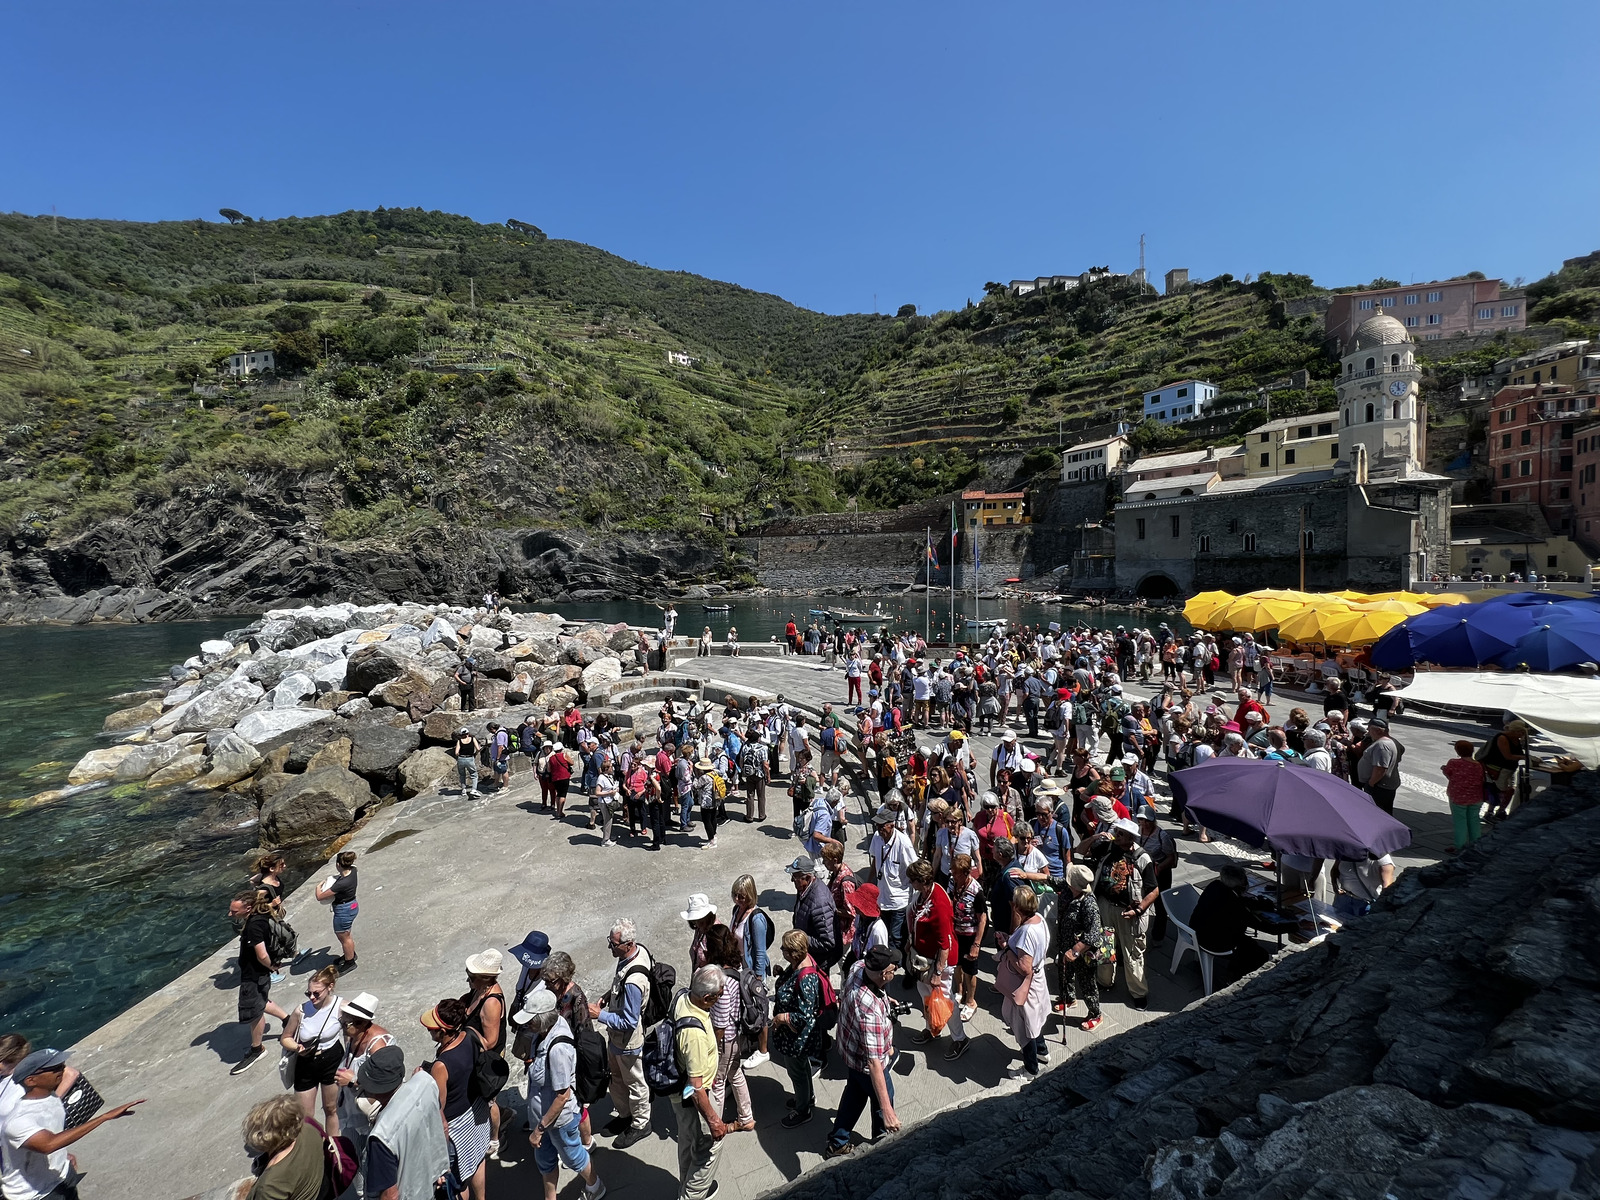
column 339, row 889
column 407, row 1150
column 34, row 1137
column 465, row 748
column 363, row 1037
column 621, row 1013
column 814, row 914
column 1126, row 887
column 466, row 1114
column 1464, row 788
column 1019, row 975
column 287, row 1152
column 866, row 1044
column 700, row 1126
column 255, row 970
column 726, row 1017
column 798, row 1033
column 485, row 1005
column 312, row 1032
column 554, row 1114
column 1081, row 937
column 467, row 684
column 892, row 854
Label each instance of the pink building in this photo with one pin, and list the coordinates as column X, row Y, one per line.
column 1431, row 312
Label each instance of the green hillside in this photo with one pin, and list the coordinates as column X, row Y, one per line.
column 434, row 369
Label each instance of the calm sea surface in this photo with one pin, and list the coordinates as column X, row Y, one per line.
column 107, row 893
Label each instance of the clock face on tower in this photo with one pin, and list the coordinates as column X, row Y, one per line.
column 1397, row 387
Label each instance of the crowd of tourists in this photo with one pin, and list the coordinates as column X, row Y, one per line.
column 975, row 872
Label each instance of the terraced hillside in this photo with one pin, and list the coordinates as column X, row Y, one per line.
column 1012, row 372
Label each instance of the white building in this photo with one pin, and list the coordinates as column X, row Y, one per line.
column 250, row 362
column 677, row 358
column 1181, row 401
column 1092, row 460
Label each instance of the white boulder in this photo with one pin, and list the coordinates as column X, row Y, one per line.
column 263, row 726
column 222, row 705
column 295, row 688
column 603, row 670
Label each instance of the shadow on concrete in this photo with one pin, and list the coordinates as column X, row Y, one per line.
column 229, row 1041
column 227, row 980
column 780, row 1145
column 517, row 1174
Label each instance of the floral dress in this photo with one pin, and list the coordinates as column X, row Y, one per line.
column 800, row 997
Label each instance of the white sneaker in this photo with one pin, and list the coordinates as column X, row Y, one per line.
column 755, row 1060
column 597, row 1192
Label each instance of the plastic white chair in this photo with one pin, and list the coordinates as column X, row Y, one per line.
column 1180, row 902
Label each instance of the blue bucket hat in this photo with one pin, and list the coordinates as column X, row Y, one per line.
column 535, row 948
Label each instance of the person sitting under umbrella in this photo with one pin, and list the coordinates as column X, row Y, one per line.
column 1222, row 922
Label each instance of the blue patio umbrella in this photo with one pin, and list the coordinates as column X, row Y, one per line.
column 1532, row 599
column 1562, row 638
column 1469, row 635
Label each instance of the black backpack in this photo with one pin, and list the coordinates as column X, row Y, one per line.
column 489, row 1070
column 662, row 1070
column 282, row 941
column 593, row 1077
column 663, row 981
column 752, row 1020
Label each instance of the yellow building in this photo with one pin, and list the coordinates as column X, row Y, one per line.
column 995, row 508
column 1292, row 444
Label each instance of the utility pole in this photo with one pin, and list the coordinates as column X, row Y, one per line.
column 1141, row 259
column 472, row 292
column 1302, row 547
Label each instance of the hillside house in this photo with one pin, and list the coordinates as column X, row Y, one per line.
column 980, row 508
column 249, row 362
column 677, row 358
column 1181, row 401
column 1093, row 460
column 1293, row 444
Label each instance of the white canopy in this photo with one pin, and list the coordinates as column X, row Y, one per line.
column 1565, row 708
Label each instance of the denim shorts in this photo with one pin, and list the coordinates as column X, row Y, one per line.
column 344, row 916
column 561, row 1143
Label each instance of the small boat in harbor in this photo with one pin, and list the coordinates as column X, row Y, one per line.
column 716, row 608
column 986, row 623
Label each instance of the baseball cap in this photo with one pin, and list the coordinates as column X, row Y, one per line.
column 39, row 1060
column 884, row 815
column 880, row 958
column 803, row 864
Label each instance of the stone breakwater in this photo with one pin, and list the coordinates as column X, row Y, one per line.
column 321, row 713
column 1446, row 1045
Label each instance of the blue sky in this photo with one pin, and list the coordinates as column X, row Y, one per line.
column 851, row 155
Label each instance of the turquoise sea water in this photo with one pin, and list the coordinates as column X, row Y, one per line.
column 109, row 893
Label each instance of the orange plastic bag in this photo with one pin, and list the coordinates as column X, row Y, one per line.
column 938, row 1011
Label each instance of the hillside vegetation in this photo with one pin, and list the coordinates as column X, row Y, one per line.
column 433, row 369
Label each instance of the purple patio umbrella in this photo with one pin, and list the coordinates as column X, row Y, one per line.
column 1294, row 809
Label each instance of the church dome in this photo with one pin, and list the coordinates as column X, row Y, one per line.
column 1379, row 330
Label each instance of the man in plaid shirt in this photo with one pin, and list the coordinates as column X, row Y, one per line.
column 866, row 1043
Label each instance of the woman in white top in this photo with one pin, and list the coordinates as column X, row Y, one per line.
column 313, row 1035
column 1026, row 952
column 362, row 1036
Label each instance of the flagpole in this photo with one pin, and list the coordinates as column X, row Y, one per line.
column 952, row 572
column 927, row 584
column 976, row 616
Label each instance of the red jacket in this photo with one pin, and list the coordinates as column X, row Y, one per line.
column 935, row 929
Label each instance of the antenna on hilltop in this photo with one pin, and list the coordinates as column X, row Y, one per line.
column 1141, row 254
column 55, row 220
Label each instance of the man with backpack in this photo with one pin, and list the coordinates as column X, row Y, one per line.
column 624, row 1014
column 814, row 913
column 694, row 1049
column 1126, row 887
column 554, row 1107
column 753, row 775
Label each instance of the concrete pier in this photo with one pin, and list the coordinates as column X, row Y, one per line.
column 443, row 877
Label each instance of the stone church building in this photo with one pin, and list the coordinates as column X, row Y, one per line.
column 1374, row 519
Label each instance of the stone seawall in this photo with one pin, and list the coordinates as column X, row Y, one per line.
column 822, row 562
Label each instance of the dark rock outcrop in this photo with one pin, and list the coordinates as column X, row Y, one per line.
column 376, row 751
column 1446, row 1045
column 202, row 555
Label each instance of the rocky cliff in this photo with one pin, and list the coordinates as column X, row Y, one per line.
column 225, row 556
column 1448, row 1045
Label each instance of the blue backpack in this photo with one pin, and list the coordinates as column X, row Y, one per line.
column 662, row 1070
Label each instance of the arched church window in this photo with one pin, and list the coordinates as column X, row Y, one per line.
column 1369, row 412
column 1394, row 360
column 1397, row 410
column 1372, row 364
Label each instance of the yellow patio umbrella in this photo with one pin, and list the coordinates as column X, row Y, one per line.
column 1198, row 609
column 1406, row 597
column 1405, row 607
column 1440, row 599
column 1352, row 594
column 1282, row 594
column 1254, row 613
column 1307, row 625
column 1360, row 628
